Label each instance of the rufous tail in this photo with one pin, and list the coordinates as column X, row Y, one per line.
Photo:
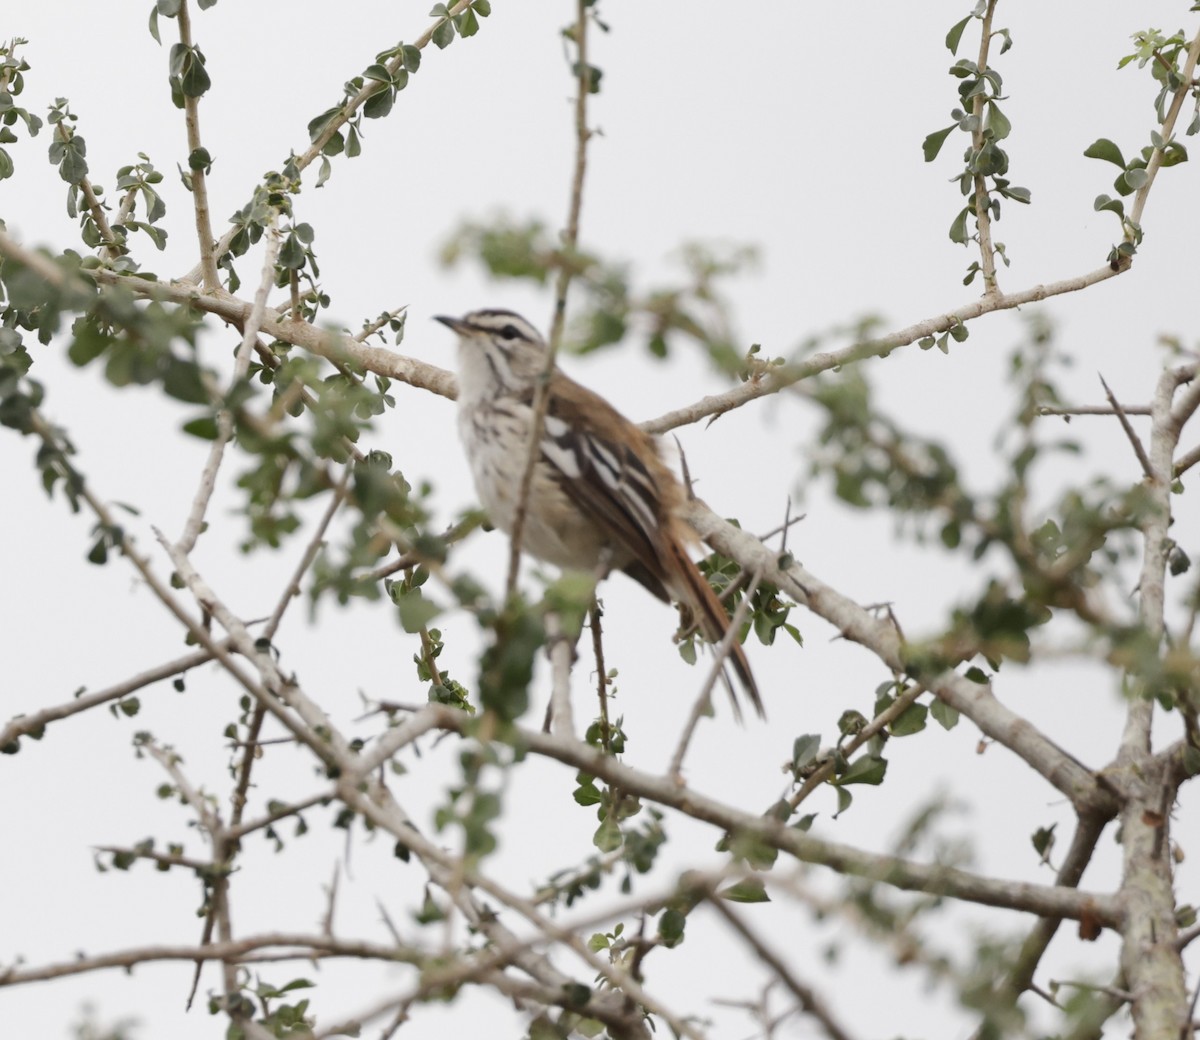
column 711, row 617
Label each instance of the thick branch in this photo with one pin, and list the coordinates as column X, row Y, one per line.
column 890, row 870
column 974, row 700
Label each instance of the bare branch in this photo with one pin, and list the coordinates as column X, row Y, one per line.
column 770, row 381
column 809, row 1001
column 35, row 722
column 1138, row 450
column 208, row 477
column 703, row 702
column 1094, row 409
column 300, row 946
column 890, row 870
column 974, row 700
column 570, row 237
column 292, row 589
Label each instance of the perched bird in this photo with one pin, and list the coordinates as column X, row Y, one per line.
column 600, row 494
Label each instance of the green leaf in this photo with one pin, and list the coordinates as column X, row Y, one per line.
column 1137, row 178
column 955, row 35
column 506, row 667
column 1043, row 841
column 998, row 122
column 380, row 103
column 587, row 793
column 670, row 928
column 291, row 254
column 608, row 835
column 183, row 381
column 866, row 769
column 933, row 143
column 958, row 230
column 1105, row 202
column 1103, row 148
column 69, row 157
column 90, row 341
column 911, row 720
column 205, row 428
column 804, row 750
column 443, row 35
column 467, row 23
column 318, row 124
column 946, row 716
column 1179, row 562
column 751, row 890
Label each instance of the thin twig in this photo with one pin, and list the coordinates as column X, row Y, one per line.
column 36, row 721
column 1020, row 976
column 373, row 327
column 292, row 589
column 239, row 831
column 809, row 1001
column 1165, row 133
column 1093, row 409
column 881, row 721
column 1186, row 461
column 191, row 108
column 703, row 703
column 225, row 421
column 594, row 615
column 316, row 146
column 1134, row 440
column 570, row 237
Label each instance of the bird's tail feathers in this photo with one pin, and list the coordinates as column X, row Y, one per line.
column 713, row 620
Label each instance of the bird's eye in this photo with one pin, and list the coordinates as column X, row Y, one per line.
column 509, row 332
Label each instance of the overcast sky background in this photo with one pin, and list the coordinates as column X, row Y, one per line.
column 793, row 127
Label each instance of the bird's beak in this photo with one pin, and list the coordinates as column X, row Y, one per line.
column 457, row 324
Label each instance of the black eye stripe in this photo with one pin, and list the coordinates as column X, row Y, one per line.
column 500, row 324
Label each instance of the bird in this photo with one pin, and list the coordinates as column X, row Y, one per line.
column 600, row 496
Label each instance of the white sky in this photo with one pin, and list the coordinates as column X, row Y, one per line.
column 794, row 127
